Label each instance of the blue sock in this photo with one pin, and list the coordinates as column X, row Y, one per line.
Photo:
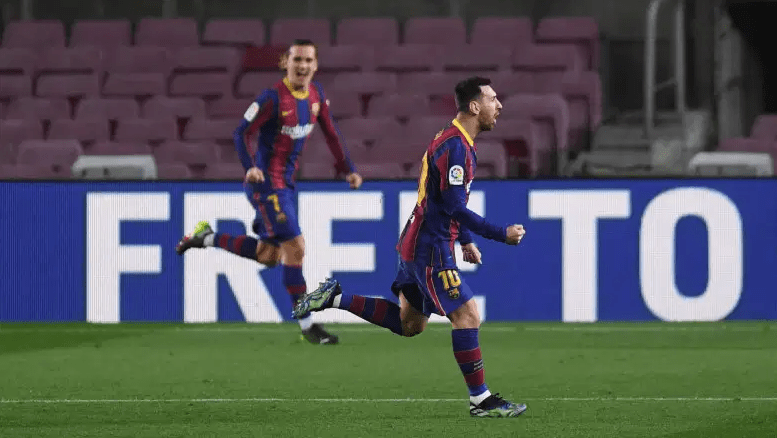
column 244, row 246
column 378, row 311
column 295, row 284
column 466, row 349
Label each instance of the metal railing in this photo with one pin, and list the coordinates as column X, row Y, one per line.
column 678, row 43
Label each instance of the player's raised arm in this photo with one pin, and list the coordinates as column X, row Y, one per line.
column 261, row 110
column 453, row 174
column 334, row 139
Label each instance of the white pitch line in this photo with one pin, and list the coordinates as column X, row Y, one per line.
column 381, row 400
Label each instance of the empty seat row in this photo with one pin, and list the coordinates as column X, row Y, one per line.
column 182, row 32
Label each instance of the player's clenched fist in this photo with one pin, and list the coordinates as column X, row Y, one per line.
column 514, row 234
column 255, row 175
column 354, row 180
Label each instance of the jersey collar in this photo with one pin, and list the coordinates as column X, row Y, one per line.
column 466, row 135
column 297, row 94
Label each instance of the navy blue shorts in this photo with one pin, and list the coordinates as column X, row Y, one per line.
column 431, row 289
column 276, row 214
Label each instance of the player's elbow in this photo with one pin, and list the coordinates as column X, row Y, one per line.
column 238, row 134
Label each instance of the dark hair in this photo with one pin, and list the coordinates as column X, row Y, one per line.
column 469, row 90
column 297, row 42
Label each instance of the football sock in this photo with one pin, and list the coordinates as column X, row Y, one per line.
column 244, row 246
column 296, row 287
column 375, row 310
column 466, row 349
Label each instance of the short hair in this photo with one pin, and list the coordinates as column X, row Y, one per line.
column 298, row 42
column 469, row 90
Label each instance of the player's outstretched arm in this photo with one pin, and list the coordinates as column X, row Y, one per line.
column 334, row 140
column 261, row 110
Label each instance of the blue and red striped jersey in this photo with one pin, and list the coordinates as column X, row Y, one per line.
column 284, row 119
column 441, row 216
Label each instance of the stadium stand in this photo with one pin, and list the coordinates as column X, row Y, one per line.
column 165, row 89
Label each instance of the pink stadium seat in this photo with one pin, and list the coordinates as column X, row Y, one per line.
column 206, row 85
column 14, row 132
column 194, row 153
column 368, row 31
column 147, row 130
column 58, row 154
column 111, row 109
column 206, row 60
column 442, row 105
column 549, row 110
column 119, row 148
column 38, row 109
column 251, row 84
column 472, row 58
column 71, row 60
column 492, row 160
column 366, row 83
column 739, row 144
column 344, row 104
column 421, row 130
column 163, row 107
column 583, row 92
column 317, row 171
column 432, row 83
column 344, row 58
column 286, row 30
column 434, row 30
column 134, row 85
column 522, row 140
column 34, row 34
column 369, row 129
column 765, row 127
column 42, row 172
column 173, row 171
column 210, row 130
column 507, row 83
column 224, row 171
column 167, row 32
column 382, row 170
column 234, row 32
column 408, row 58
column 398, row 150
column 582, row 32
column 106, row 34
column 83, row 130
column 548, row 62
column 7, row 171
column 68, row 85
column 399, row 105
column 228, row 108
column 513, row 31
column 13, row 86
column 16, row 69
column 264, row 58
column 137, row 71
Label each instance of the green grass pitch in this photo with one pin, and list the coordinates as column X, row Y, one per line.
column 243, row 380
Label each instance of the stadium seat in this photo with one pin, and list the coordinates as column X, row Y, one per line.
column 442, row 105
column 435, row 30
column 263, row 58
column 205, row 59
column 369, row 128
column 106, row 34
column 316, row 171
column 344, row 58
column 190, row 153
column 234, row 32
column 224, row 171
column 41, row 171
column 210, row 130
column 147, row 130
column 32, row 108
column 408, row 58
column 137, row 71
column 421, row 130
column 173, row 171
column 476, row 58
column 286, row 30
column 524, row 142
column 14, row 131
column 765, row 127
column 107, row 109
column 58, row 154
column 163, row 107
column 167, row 32
column 70, row 60
column 399, row 105
column 368, row 31
column 83, row 130
column 228, row 108
column 7, row 171
column 499, row 31
column 344, row 104
column 381, row 170
column 251, row 84
column 16, row 69
column 740, row 144
column 549, row 110
column 365, row 83
column 429, row 83
column 206, row 85
column 405, row 152
column 13, row 86
column 733, row 164
column 507, row 83
column 68, row 85
column 492, row 160
column 119, row 148
column 34, row 34
column 548, row 63
column 582, row 32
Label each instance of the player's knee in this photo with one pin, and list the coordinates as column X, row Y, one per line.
column 412, row 327
column 269, row 259
column 294, row 251
column 466, row 316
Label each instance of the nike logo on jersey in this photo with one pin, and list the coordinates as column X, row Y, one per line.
column 286, row 113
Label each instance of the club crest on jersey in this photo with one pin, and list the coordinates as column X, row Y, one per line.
column 456, row 175
column 297, row 132
column 314, row 109
column 454, row 293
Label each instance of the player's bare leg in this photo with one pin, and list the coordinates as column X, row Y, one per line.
column 243, row 246
column 413, row 321
column 378, row 311
column 466, row 350
column 292, row 256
